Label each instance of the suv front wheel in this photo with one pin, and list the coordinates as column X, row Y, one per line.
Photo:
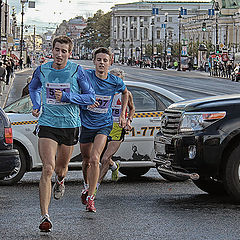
column 232, row 174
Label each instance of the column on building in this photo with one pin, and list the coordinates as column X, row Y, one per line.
column 128, row 28
column 150, row 28
column 120, row 26
column 138, row 28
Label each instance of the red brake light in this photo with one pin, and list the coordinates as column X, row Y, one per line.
column 8, row 135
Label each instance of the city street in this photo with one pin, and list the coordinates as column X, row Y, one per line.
column 148, row 207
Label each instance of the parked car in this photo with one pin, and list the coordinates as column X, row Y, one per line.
column 9, row 157
column 135, row 152
column 199, row 139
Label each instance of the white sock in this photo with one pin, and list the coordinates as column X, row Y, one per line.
column 98, row 184
column 85, row 185
column 60, row 181
column 113, row 167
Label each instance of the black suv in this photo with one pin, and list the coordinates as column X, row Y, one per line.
column 9, row 157
column 200, row 139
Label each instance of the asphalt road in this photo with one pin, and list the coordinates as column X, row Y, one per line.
column 145, row 208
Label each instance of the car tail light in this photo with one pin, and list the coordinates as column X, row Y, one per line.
column 8, row 135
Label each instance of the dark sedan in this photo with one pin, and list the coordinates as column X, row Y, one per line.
column 9, row 157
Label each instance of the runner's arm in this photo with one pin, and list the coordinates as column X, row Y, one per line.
column 122, row 119
column 35, row 90
column 131, row 112
column 87, row 96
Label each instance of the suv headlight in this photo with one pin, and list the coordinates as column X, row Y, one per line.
column 197, row 121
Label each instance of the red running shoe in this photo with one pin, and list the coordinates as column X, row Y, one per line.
column 45, row 224
column 84, row 196
column 90, row 204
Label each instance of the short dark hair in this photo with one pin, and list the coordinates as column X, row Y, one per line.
column 102, row 50
column 63, row 40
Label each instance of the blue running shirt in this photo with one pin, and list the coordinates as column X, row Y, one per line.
column 96, row 118
column 76, row 89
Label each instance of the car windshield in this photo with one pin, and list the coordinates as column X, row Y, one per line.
column 22, row 105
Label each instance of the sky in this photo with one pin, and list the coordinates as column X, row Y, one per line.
column 47, row 14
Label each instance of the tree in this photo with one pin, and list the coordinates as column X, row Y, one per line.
column 97, row 32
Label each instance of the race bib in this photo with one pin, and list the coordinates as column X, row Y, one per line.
column 104, row 102
column 116, row 107
column 50, row 92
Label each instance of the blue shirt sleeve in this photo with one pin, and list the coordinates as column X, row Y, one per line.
column 35, row 89
column 120, row 85
column 87, row 96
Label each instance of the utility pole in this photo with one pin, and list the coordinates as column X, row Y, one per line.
column 21, row 41
column 0, row 28
column 6, row 25
column 179, row 41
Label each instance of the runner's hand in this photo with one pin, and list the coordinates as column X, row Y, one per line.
column 96, row 104
column 35, row 113
column 58, row 95
column 122, row 121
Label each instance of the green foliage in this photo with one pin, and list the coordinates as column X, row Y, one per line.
column 97, row 32
column 148, row 50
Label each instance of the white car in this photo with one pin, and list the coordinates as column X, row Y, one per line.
column 135, row 152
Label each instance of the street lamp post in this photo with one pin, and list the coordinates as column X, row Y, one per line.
column 132, row 43
column 165, row 43
column 1, row 2
column 141, row 31
column 123, row 30
column 21, row 41
column 179, row 40
column 152, row 24
column 216, row 11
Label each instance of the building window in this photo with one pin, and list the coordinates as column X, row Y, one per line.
column 135, row 33
column 145, row 19
column 158, row 19
column 145, row 33
column 170, row 19
column 158, row 34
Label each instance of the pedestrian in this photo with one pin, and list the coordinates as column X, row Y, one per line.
column 25, row 90
column 2, row 78
column 9, row 71
column 29, row 63
column 97, row 121
column 63, row 86
column 117, row 134
column 20, row 63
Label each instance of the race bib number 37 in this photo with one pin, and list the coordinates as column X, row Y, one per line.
column 50, row 92
column 104, row 102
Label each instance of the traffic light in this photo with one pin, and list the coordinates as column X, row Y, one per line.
column 217, row 48
column 204, row 27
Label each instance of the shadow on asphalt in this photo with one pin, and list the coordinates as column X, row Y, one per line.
column 197, row 201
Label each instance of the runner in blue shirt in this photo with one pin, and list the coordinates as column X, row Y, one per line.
column 97, row 121
column 61, row 86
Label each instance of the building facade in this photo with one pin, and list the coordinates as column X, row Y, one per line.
column 222, row 30
column 136, row 25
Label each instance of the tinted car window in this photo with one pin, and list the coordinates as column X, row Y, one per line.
column 23, row 105
column 143, row 100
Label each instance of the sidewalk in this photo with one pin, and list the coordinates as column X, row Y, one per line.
column 7, row 89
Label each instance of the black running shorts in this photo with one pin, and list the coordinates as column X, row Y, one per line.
column 66, row 136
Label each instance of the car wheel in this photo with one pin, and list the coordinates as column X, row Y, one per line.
column 18, row 172
column 134, row 172
column 211, row 186
column 232, row 174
